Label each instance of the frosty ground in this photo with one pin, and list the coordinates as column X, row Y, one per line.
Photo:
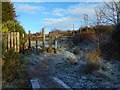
column 72, row 69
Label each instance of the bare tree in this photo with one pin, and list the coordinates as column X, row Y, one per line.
column 109, row 13
column 98, row 16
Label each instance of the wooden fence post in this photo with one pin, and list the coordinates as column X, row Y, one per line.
column 50, row 43
column 36, row 43
column 43, row 40
column 29, row 38
column 56, row 44
column 23, row 43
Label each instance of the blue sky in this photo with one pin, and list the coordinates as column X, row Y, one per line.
column 61, row 15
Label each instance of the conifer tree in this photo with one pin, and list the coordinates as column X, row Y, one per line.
column 8, row 12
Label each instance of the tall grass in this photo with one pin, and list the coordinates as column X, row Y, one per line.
column 93, row 56
column 92, row 61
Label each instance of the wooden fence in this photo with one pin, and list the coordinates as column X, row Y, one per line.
column 43, row 36
column 11, row 41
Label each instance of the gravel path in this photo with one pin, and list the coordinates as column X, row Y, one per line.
column 47, row 66
column 40, row 70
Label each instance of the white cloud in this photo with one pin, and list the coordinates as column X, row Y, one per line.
column 58, row 12
column 81, row 9
column 28, row 8
column 64, row 22
column 76, row 10
column 71, row 15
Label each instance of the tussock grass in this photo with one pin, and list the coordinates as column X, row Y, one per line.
column 92, row 61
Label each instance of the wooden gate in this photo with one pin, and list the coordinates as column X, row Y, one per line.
column 11, row 41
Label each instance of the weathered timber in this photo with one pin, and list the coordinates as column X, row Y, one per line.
column 15, row 41
column 43, row 40
column 50, row 43
column 36, row 43
column 18, row 41
column 29, row 38
column 8, row 44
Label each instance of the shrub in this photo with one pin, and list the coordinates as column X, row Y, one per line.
column 14, row 67
column 116, row 36
column 83, row 37
column 91, row 66
column 93, row 56
column 103, row 32
column 76, row 50
column 10, row 26
column 92, row 61
column 111, row 50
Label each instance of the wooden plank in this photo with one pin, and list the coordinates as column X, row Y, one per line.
column 15, row 41
column 35, row 84
column 8, row 44
column 60, row 82
column 11, row 39
column 18, row 42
